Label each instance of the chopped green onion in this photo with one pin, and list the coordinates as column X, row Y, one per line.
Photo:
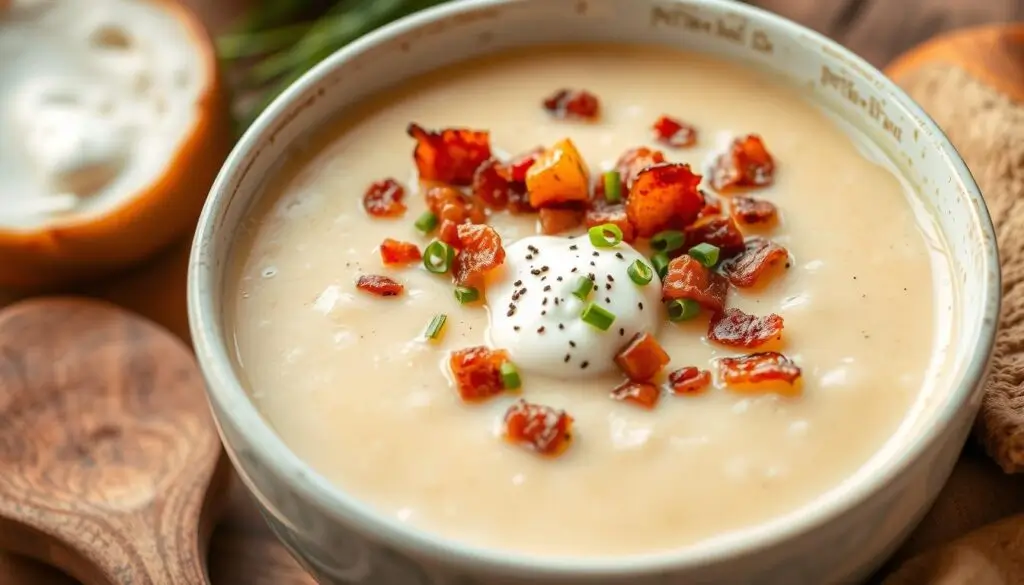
column 436, row 326
column 640, row 273
column 683, row 309
column 426, row 222
column 438, row 257
column 583, row 287
column 605, row 235
column 510, row 376
column 466, row 294
column 597, row 316
column 705, row 253
column 668, row 241
column 612, row 187
column 660, row 262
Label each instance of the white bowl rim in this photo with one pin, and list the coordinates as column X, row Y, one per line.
column 225, row 389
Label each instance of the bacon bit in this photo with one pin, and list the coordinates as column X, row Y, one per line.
column 642, row 394
column 689, row 380
column 672, row 132
column 449, row 233
column 396, row 252
column 747, row 164
column 451, row 155
column 382, row 286
column 384, row 199
column 519, row 201
column 480, row 251
column 717, row 230
column 616, row 214
column 635, row 160
column 758, row 368
column 712, row 205
column 751, row 210
column 664, row 195
column 515, row 169
column 573, row 104
column 538, row 428
column 689, row 279
column 490, row 185
column 735, row 328
column 451, row 206
column 477, row 372
column 758, row 255
column 556, row 221
column 629, row 166
column 642, row 358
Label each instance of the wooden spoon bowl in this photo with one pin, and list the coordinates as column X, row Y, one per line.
column 110, row 464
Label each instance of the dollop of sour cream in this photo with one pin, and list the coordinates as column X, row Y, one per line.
column 535, row 316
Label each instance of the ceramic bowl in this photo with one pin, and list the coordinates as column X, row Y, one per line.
column 840, row 538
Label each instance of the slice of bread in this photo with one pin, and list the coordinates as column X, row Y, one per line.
column 115, row 126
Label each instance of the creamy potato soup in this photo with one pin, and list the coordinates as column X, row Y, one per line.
column 620, row 300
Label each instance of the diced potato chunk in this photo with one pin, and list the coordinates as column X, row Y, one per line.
column 559, row 176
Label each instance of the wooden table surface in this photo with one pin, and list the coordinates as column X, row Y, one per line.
column 243, row 551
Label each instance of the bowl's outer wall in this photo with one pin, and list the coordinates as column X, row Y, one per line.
column 340, row 544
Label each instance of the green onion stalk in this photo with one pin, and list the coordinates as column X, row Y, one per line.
column 279, row 40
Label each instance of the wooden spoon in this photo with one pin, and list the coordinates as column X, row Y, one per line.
column 110, row 464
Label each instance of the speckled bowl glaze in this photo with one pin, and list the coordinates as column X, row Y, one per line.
column 841, row 537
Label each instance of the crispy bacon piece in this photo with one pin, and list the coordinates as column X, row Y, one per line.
column 396, row 252
column 675, row 133
column 382, row 286
column 689, row 279
column 515, row 169
column 642, row 358
column 758, row 255
column 519, row 201
column 557, row 220
column 752, row 210
column 490, row 186
column 513, row 172
column 601, row 214
column 538, row 428
column 450, row 155
column 449, row 233
column 746, row 164
column 633, row 161
column 662, row 196
column 735, row 328
column 717, row 230
column 480, row 250
column 452, row 208
column 759, row 368
column 384, row 199
column 642, row 394
column 477, row 372
column 689, row 380
column 712, row 205
column 577, row 104
column 629, row 166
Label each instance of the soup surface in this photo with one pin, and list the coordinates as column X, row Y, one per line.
column 352, row 385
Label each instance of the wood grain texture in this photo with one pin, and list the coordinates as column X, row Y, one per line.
column 109, row 461
column 243, row 551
